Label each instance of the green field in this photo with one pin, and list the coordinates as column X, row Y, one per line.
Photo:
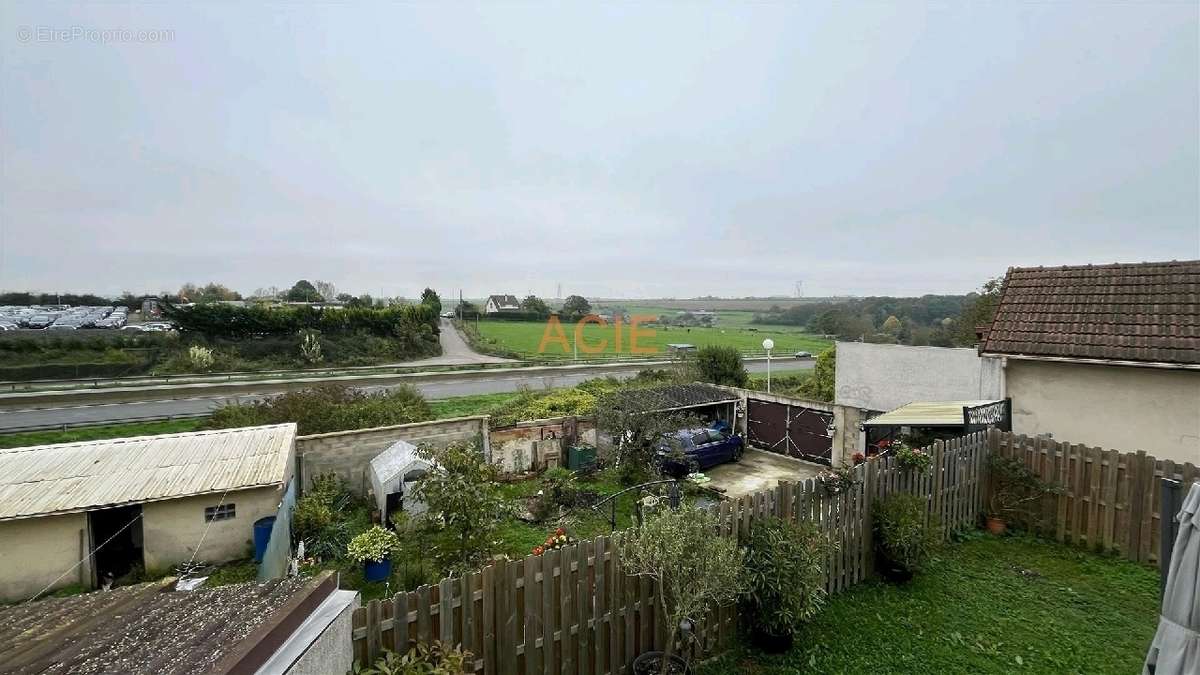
column 524, row 337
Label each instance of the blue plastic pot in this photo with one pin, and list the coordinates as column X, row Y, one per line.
column 377, row 570
column 262, row 536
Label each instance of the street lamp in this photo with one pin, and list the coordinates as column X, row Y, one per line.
column 768, row 344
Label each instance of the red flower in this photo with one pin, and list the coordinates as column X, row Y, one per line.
column 537, row 550
column 560, row 532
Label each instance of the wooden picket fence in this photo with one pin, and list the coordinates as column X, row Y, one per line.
column 1108, row 501
column 575, row 611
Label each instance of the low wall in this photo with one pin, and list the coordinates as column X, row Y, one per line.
column 347, row 453
column 538, row 444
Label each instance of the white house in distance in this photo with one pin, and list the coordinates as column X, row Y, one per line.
column 501, row 303
column 1104, row 355
column 147, row 501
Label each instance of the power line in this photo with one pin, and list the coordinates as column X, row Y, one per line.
column 83, row 559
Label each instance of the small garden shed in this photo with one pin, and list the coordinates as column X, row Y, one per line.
column 394, row 473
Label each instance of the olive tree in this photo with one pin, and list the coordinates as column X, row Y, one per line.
column 693, row 568
column 462, row 494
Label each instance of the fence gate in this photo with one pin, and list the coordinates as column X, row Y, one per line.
column 790, row 430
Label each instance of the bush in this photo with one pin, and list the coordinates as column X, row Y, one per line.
column 902, row 535
column 200, row 358
column 422, row 659
column 693, row 567
column 310, row 517
column 373, row 545
column 785, row 575
column 1014, row 489
column 560, row 487
column 720, row 365
column 910, row 458
column 327, row 408
column 462, row 493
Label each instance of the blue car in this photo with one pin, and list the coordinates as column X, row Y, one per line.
column 703, row 448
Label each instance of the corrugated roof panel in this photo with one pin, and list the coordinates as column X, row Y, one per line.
column 48, row 479
column 924, row 413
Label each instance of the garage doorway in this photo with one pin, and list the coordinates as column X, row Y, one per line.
column 791, row 430
column 116, row 535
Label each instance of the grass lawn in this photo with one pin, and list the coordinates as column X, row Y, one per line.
column 98, row 433
column 463, row 406
column 986, row 605
column 524, row 337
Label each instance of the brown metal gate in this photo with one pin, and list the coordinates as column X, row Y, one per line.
column 790, row 430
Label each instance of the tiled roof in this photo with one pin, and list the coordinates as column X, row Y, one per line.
column 1142, row 312
column 47, row 479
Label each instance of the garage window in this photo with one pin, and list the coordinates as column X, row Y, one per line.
column 220, row 512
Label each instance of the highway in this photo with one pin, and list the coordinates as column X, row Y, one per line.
column 499, row 381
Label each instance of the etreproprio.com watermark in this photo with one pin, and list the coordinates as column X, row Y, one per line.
column 55, row 34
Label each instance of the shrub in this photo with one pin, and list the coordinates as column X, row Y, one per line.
column 310, row 517
column 693, row 567
column 200, row 358
column 435, row 658
column 903, row 537
column 462, row 492
column 560, row 487
column 327, row 408
column 310, row 347
column 1014, row 489
column 720, row 365
column 910, row 458
column 372, row 545
column 785, row 575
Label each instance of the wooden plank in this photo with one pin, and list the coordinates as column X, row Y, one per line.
column 549, row 611
column 616, row 632
column 1077, row 492
column 488, row 580
column 400, row 639
column 1146, row 540
column 358, row 621
column 424, row 620
column 600, row 631
column 630, row 584
column 531, row 630
column 1108, row 494
column 470, row 639
column 1136, row 489
column 584, row 594
column 567, row 625
column 1062, row 479
column 1093, row 493
column 374, row 632
column 446, row 611
column 508, row 619
column 646, row 616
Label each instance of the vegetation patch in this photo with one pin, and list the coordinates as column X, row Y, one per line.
column 987, row 605
column 327, row 408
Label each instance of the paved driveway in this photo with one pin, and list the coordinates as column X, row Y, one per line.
column 759, row 470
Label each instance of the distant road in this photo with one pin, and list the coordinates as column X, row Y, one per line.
column 498, row 382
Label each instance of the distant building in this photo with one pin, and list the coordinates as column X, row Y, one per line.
column 501, row 303
column 148, row 502
column 1105, row 355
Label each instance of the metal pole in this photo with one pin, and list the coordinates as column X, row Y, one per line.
column 768, row 371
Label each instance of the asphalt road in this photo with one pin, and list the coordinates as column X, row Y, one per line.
column 501, row 382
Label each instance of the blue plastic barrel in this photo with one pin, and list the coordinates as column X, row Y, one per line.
column 262, row 536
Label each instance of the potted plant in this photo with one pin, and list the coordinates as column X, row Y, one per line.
column 1013, row 491
column 903, row 538
column 374, row 549
column 693, row 568
column 784, row 580
column 837, row 481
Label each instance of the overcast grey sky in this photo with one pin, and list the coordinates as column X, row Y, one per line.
column 623, row 150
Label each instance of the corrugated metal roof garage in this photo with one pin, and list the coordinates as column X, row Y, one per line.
column 71, row 477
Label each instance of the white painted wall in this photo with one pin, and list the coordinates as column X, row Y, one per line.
column 1114, row 407
column 885, row 377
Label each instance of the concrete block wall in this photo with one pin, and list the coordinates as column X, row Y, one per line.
column 348, row 453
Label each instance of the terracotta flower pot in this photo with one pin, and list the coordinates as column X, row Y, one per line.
column 996, row 526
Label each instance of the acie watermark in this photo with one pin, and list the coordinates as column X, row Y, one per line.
column 54, row 34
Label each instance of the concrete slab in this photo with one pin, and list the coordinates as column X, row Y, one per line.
column 759, row 470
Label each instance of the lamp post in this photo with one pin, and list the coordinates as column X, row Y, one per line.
column 768, row 344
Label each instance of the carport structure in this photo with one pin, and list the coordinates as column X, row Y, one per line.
column 937, row 419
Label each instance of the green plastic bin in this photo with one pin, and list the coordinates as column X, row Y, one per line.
column 581, row 457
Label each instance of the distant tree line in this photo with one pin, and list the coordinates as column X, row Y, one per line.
column 236, row 323
column 938, row 320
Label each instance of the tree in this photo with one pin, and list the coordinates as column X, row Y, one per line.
column 821, row 385
column 978, row 311
column 891, row 324
column 575, row 307
column 694, row 569
column 430, row 297
column 720, row 365
column 532, row 304
column 303, row 291
column 326, row 290
column 461, row 490
column 345, row 298
column 635, row 420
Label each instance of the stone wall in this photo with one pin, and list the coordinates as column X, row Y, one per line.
column 347, row 453
column 539, row 444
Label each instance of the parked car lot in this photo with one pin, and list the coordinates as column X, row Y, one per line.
column 65, row 317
